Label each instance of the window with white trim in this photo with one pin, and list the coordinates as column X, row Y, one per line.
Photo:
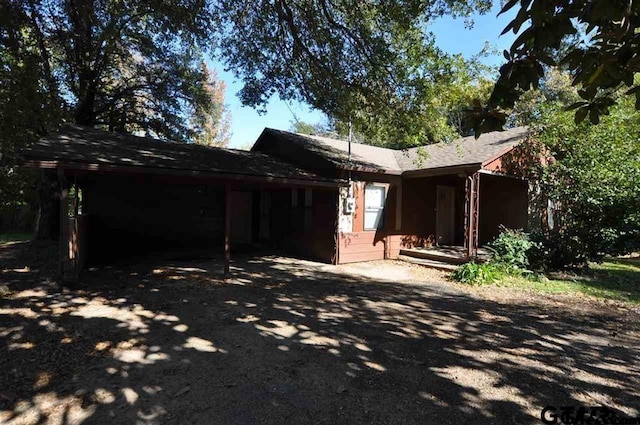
column 374, row 197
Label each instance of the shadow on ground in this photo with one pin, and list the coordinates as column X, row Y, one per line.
column 288, row 341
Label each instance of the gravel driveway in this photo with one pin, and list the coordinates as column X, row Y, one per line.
column 288, row 341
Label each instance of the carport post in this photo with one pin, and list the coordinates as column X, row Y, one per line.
column 64, row 222
column 227, row 230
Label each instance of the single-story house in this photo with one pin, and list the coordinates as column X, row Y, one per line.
column 320, row 198
column 457, row 193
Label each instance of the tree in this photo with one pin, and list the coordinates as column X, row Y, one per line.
column 213, row 117
column 593, row 183
column 436, row 114
column 317, row 129
column 27, row 111
column 121, row 65
column 126, row 66
column 603, row 59
column 373, row 64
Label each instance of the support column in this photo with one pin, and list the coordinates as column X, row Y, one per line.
column 476, row 212
column 471, row 216
column 64, row 223
column 227, row 230
column 399, row 204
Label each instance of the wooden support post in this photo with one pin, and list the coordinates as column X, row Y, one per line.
column 64, row 222
column 227, row 231
column 472, row 214
column 399, row 204
column 468, row 216
column 476, row 211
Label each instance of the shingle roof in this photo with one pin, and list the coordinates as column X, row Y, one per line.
column 336, row 151
column 83, row 145
column 463, row 151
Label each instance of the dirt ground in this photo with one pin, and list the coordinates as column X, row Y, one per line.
column 288, row 341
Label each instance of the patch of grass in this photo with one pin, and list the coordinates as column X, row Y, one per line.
column 14, row 237
column 614, row 279
column 477, row 273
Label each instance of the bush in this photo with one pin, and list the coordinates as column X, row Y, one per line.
column 511, row 249
column 477, row 273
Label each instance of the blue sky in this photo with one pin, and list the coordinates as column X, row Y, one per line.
column 451, row 36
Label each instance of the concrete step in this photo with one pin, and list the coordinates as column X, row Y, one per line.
column 438, row 265
column 434, row 255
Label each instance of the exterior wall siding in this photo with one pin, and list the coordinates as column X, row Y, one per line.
column 503, row 202
column 307, row 231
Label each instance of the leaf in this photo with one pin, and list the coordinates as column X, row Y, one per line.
column 580, row 115
column 575, row 105
column 508, row 5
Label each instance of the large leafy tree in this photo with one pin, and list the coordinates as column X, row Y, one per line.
column 125, row 65
column 599, row 41
column 27, row 107
column 373, row 63
column 118, row 64
column 592, row 180
column 213, row 117
column 594, row 183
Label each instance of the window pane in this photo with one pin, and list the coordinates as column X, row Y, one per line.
column 372, row 219
column 374, row 197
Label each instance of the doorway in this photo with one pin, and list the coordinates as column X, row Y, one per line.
column 445, row 215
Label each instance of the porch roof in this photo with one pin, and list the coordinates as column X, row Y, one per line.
column 84, row 148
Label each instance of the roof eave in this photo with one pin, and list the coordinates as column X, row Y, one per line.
column 437, row 171
column 364, row 169
column 120, row 169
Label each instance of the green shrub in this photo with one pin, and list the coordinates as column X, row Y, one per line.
column 477, row 273
column 511, row 249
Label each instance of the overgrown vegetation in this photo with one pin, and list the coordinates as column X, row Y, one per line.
column 614, row 279
column 511, row 250
column 477, row 273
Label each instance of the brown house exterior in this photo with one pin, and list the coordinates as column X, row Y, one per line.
column 443, row 194
column 123, row 195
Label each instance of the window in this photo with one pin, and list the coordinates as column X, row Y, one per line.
column 374, row 197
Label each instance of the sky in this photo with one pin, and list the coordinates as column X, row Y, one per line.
column 451, row 36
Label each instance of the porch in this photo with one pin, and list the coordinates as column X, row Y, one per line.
column 445, row 258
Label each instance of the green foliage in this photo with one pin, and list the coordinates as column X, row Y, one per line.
column 477, row 273
column 511, row 249
column 611, row 280
column 375, row 65
column 125, row 66
column 27, row 110
column 602, row 60
column 594, row 185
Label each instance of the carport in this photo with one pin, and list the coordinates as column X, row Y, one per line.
column 122, row 195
